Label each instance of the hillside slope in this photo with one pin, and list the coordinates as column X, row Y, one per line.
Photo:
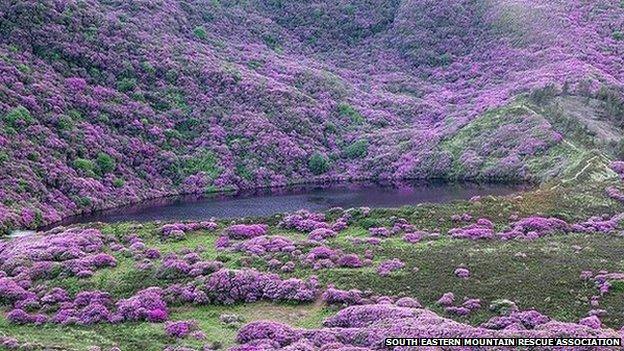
column 109, row 102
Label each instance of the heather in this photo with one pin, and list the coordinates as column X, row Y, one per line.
column 109, row 103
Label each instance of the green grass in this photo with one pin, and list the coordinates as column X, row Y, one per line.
column 547, row 279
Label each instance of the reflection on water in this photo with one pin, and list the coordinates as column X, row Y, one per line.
column 265, row 202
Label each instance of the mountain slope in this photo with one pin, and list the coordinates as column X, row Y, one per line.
column 110, row 102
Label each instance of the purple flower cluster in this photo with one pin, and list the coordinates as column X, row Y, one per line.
column 462, row 272
column 446, row 299
column 603, row 280
column 248, row 285
column 618, row 167
column 599, row 224
column 483, row 229
column 321, row 234
column 517, row 320
column 380, row 232
column 389, row 266
column 145, row 305
column 71, row 252
column 246, row 231
column 615, row 193
column 87, row 307
column 366, row 241
column 180, row 329
column 365, row 327
column 535, row 227
column 350, row 261
column 191, row 265
column 417, row 236
column 304, row 221
column 464, row 309
column 266, row 244
column 592, row 322
column 321, row 257
column 333, row 296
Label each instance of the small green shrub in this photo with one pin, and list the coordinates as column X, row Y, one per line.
column 148, row 68
column 358, row 149
column 17, row 116
column 271, row 41
column 33, row 156
column 200, row 32
column 126, row 84
column 84, row 201
column 105, row 163
column 4, row 157
column 346, row 110
column 84, row 165
column 118, row 182
column 205, row 161
column 65, row 123
column 318, row 164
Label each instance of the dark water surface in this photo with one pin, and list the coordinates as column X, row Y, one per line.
column 266, row 202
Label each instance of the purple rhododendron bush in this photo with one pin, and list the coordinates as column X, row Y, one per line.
column 109, row 103
column 106, row 103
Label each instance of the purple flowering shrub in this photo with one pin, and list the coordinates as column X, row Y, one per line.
column 618, row 167
column 180, row 329
column 462, row 272
column 320, row 234
column 613, row 192
column 531, row 228
column 304, row 221
column 483, row 229
column 535, row 227
column 249, row 285
column 364, row 327
column 389, row 266
column 70, row 252
column 322, row 257
column 246, row 231
column 379, row 232
column 262, row 245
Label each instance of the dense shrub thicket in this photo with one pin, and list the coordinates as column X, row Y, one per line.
column 104, row 103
